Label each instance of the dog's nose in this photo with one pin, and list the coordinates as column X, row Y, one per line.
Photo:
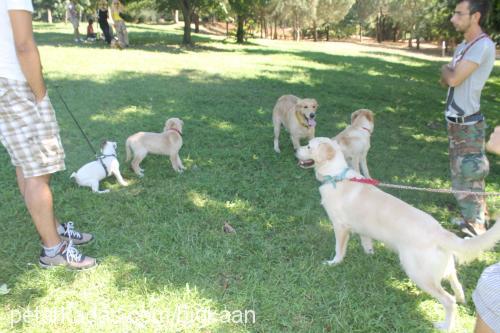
column 312, row 115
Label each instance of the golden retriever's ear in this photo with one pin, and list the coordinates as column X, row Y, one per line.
column 354, row 115
column 299, row 106
column 326, row 152
column 370, row 116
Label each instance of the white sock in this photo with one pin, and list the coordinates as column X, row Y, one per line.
column 60, row 229
column 52, row 251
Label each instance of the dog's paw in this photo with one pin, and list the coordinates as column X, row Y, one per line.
column 124, row 183
column 369, row 251
column 333, row 262
column 103, row 191
column 277, row 150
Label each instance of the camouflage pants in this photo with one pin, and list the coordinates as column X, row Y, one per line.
column 469, row 167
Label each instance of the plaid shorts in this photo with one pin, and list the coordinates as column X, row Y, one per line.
column 29, row 131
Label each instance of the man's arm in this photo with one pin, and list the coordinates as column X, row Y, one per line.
column 27, row 52
column 455, row 76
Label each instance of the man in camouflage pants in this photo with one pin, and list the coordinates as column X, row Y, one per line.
column 465, row 76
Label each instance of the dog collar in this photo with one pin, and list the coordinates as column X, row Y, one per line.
column 175, row 130
column 335, row 179
column 301, row 119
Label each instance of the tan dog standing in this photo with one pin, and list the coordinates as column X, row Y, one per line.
column 426, row 250
column 355, row 140
column 297, row 116
column 169, row 143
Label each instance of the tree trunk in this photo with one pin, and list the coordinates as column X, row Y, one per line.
column 196, row 20
column 240, row 32
column 227, row 28
column 186, row 12
column 176, row 16
column 360, row 32
column 379, row 26
column 418, row 42
column 327, row 33
column 275, row 29
column 49, row 15
column 315, row 31
column 410, row 41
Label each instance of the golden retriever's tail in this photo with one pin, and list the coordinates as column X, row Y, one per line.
column 469, row 249
column 128, row 150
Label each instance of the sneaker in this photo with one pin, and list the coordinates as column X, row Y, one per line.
column 68, row 256
column 470, row 228
column 78, row 238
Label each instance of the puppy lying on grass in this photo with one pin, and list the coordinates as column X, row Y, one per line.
column 169, row 142
column 106, row 165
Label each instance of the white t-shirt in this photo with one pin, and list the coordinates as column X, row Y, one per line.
column 464, row 100
column 9, row 64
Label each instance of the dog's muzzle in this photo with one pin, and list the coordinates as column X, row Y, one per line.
column 305, row 164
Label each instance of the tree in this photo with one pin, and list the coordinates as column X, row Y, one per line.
column 363, row 10
column 243, row 9
column 330, row 11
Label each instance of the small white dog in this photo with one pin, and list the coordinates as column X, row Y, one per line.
column 354, row 140
column 106, row 165
column 426, row 250
column 169, row 142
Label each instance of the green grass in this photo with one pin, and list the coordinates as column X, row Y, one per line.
column 163, row 255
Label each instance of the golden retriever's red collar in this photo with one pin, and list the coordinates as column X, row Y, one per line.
column 175, row 130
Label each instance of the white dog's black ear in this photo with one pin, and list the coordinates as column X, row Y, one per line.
column 326, row 152
column 103, row 143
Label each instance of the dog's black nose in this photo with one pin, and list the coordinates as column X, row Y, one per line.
column 312, row 115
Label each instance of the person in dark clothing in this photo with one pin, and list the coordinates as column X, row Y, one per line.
column 103, row 20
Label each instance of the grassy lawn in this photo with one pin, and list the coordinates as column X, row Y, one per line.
column 165, row 263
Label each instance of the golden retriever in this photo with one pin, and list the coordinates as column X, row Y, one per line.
column 297, row 116
column 169, row 142
column 426, row 250
column 355, row 140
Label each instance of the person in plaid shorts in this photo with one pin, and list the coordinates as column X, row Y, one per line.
column 30, row 134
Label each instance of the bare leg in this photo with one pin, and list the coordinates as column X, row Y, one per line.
column 38, row 199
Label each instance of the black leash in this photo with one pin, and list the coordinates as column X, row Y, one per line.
column 76, row 121
column 98, row 157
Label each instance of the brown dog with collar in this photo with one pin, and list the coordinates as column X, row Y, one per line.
column 354, row 140
column 297, row 116
column 169, row 142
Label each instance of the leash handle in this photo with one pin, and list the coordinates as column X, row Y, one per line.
column 74, row 119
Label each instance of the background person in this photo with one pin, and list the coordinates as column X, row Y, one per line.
column 30, row 133
column 466, row 76
column 74, row 19
column 120, row 28
column 102, row 14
